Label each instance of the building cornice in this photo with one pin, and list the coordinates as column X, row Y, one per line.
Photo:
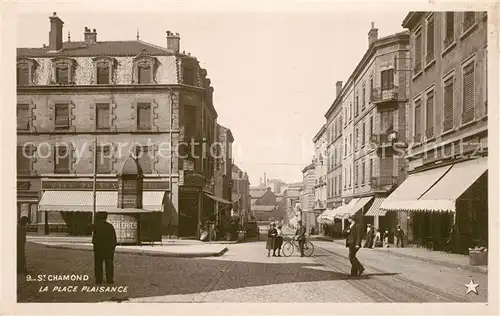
column 411, row 19
column 320, row 133
column 43, row 89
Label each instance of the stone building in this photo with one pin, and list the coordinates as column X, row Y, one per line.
column 443, row 202
column 307, row 197
column 240, row 194
column 365, row 119
column 320, row 161
column 130, row 98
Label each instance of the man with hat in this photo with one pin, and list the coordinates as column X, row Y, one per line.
column 104, row 240
column 300, row 235
column 353, row 242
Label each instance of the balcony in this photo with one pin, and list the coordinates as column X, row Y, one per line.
column 384, row 183
column 386, row 98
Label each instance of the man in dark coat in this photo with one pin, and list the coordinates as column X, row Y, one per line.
column 21, row 245
column 353, row 242
column 370, row 235
column 104, row 240
column 300, row 234
column 399, row 236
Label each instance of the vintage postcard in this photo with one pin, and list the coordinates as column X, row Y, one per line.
column 317, row 154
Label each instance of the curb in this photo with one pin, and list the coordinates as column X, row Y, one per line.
column 148, row 253
column 435, row 261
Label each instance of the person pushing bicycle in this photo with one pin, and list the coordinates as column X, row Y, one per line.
column 300, row 235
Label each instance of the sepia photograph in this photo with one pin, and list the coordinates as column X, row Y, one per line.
column 252, row 156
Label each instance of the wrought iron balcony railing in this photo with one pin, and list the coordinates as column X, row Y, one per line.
column 386, row 94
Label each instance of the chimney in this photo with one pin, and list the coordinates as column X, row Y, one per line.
column 173, row 41
column 372, row 35
column 338, row 86
column 56, row 33
column 90, row 36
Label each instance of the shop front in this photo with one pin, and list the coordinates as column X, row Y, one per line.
column 28, row 196
column 444, row 208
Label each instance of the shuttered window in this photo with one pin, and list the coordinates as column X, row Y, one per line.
column 144, row 158
column 102, row 115
column 418, row 126
column 363, row 172
column 450, row 28
column 387, row 79
column 356, row 137
column 418, row 52
column 23, row 74
column 104, row 159
column 363, row 132
column 23, row 160
column 370, row 170
column 62, row 74
column 356, row 174
column 62, row 115
column 144, row 73
column 468, row 93
column 448, row 105
column 429, row 117
column 103, row 73
column 363, row 97
column 469, row 20
column 371, row 126
column 144, row 116
column 23, row 119
column 430, row 40
column 61, row 159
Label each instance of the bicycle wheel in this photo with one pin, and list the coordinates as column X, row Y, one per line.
column 287, row 248
column 308, row 248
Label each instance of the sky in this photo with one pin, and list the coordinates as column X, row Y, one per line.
column 274, row 73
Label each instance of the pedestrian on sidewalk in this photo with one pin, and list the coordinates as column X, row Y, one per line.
column 353, row 242
column 399, row 236
column 21, row 245
column 271, row 240
column 300, row 235
column 279, row 239
column 370, row 235
column 104, row 240
column 386, row 238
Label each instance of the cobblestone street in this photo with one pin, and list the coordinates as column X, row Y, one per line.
column 246, row 274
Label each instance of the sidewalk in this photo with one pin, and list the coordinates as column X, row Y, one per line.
column 168, row 248
column 437, row 257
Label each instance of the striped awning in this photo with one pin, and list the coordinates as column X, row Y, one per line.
column 360, row 204
column 106, row 201
column 375, row 208
column 346, row 210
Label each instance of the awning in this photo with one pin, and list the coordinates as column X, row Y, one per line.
column 106, row 201
column 412, row 189
column 218, row 199
column 360, row 204
column 442, row 196
column 346, row 210
column 326, row 216
column 375, row 208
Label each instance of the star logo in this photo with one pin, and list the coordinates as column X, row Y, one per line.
column 471, row 287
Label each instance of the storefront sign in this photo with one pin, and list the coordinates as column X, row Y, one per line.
column 126, row 227
column 100, row 185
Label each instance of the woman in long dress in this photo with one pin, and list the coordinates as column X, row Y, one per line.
column 271, row 240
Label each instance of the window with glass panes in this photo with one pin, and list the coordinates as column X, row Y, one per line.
column 468, row 100
column 363, row 172
column 430, row 39
column 144, row 73
column 62, row 74
column 188, row 76
column 103, row 72
column 417, row 119
column 104, row 159
column 61, row 159
column 448, row 104
column 418, row 52
column 62, row 115
column 363, row 132
column 429, row 115
column 23, row 117
column 102, row 116
column 387, row 79
column 143, row 116
column 363, row 97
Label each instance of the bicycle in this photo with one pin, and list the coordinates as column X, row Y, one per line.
column 291, row 244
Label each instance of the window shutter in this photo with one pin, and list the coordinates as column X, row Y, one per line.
column 430, row 115
column 418, row 52
column 417, row 121
column 468, row 93
column 430, row 40
column 450, row 26
column 448, row 105
column 102, row 115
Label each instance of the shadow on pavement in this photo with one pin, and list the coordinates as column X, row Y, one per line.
column 156, row 276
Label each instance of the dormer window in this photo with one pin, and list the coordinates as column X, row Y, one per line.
column 63, row 70
column 144, row 70
column 104, row 69
column 25, row 72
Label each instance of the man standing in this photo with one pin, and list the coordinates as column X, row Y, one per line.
column 21, row 245
column 399, row 236
column 104, row 241
column 300, row 234
column 353, row 242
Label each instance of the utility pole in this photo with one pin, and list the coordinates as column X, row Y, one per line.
column 94, row 182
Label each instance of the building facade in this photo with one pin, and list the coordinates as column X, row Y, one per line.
column 77, row 100
column 448, row 132
column 321, row 162
column 240, row 191
column 307, row 196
